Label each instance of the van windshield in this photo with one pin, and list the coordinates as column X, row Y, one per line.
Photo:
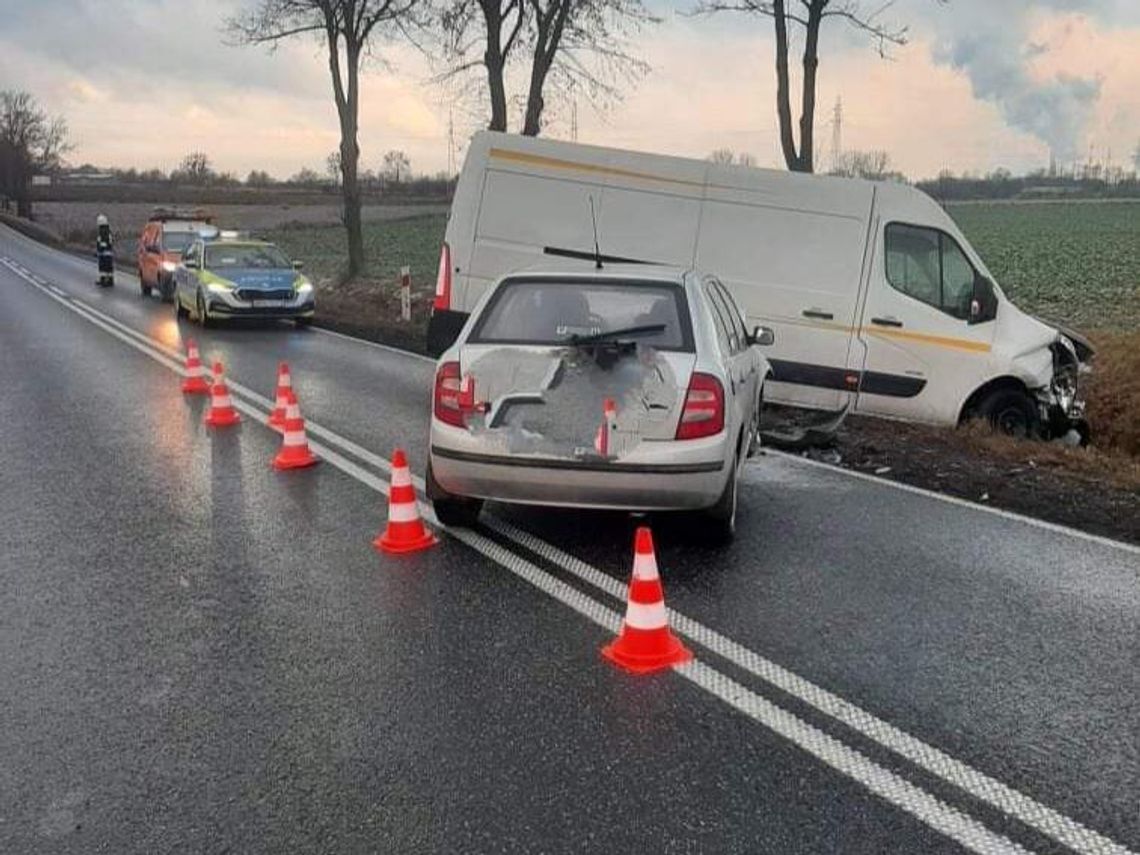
column 552, row 312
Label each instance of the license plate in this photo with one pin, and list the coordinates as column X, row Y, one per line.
column 267, row 304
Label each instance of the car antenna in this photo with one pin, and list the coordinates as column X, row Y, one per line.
column 597, row 249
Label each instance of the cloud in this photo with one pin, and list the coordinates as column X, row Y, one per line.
column 992, row 44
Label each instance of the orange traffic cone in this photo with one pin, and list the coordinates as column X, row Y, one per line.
column 646, row 643
column 405, row 531
column 195, row 382
column 281, row 401
column 221, row 412
column 294, row 453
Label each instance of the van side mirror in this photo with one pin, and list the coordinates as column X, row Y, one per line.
column 190, row 263
column 298, row 265
column 983, row 303
column 763, row 336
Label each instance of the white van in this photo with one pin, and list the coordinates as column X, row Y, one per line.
column 878, row 303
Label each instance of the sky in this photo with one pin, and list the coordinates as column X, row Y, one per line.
column 980, row 84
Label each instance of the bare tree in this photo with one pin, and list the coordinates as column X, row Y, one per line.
column 809, row 15
column 727, row 157
column 873, row 165
column 396, row 166
column 30, row 142
column 572, row 45
column 333, row 167
column 348, row 28
column 195, row 169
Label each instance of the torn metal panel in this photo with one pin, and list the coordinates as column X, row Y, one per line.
column 551, row 401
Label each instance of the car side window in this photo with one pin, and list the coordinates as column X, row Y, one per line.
column 719, row 320
column 734, row 314
column 930, row 266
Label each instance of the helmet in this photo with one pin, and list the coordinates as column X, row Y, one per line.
column 101, row 220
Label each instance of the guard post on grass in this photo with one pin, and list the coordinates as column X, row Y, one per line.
column 405, row 293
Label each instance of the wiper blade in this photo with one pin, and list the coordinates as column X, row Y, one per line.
column 614, row 335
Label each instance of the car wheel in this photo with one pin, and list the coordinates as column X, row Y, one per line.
column 718, row 524
column 1011, row 412
column 203, row 317
column 451, row 510
column 165, row 289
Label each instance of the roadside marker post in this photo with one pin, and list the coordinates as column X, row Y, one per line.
column 405, row 293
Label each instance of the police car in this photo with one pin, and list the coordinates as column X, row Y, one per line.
column 238, row 277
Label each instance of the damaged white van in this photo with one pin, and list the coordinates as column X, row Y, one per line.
column 878, row 303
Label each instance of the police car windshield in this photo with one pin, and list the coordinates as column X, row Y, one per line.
column 231, row 255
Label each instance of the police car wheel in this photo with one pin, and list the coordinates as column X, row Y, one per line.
column 203, row 318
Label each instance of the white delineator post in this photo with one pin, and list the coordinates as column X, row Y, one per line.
column 405, row 293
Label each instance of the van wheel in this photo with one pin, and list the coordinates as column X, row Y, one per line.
column 165, row 289
column 451, row 510
column 717, row 525
column 1011, row 412
column 146, row 289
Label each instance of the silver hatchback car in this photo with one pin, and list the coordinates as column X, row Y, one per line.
column 632, row 388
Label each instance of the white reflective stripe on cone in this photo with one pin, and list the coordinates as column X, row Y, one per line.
column 642, row 616
column 292, row 413
column 403, row 512
column 222, row 402
column 401, row 477
column 294, row 438
column 644, row 566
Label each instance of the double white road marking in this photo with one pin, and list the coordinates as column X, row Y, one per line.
column 348, row 456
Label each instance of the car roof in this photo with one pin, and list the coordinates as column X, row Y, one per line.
column 608, row 273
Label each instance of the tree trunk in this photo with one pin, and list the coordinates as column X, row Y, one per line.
column 532, row 123
column 811, row 66
column 494, row 60
column 348, row 109
column 548, row 38
column 783, row 93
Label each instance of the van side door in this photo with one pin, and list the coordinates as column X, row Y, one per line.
column 922, row 353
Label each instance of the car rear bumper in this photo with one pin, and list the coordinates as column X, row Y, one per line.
column 642, row 485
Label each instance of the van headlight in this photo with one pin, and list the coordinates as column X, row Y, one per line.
column 304, row 286
column 1066, row 368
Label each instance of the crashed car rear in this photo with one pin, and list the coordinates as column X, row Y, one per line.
column 619, row 389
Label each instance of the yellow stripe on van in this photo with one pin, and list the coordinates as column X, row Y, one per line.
column 558, row 163
column 936, row 340
column 965, row 344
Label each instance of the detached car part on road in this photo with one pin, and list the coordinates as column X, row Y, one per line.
column 632, row 389
column 241, row 278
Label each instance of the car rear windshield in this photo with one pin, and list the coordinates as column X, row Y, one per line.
column 222, row 256
column 551, row 312
column 177, row 241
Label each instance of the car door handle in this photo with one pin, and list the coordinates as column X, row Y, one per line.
column 887, row 322
column 818, row 313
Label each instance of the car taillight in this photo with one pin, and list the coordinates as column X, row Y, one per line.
column 443, row 280
column 448, row 387
column 703, row 414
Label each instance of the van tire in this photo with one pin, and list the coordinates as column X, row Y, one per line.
column 451, row 510
column 165, row 289
column 146, row 289
column 1011, row 412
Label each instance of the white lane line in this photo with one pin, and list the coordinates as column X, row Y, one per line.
column 385, row 347
column 1012, row 802
column 964, row 503
column 889, row 786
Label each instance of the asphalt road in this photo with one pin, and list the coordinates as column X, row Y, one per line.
column 200, row 654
